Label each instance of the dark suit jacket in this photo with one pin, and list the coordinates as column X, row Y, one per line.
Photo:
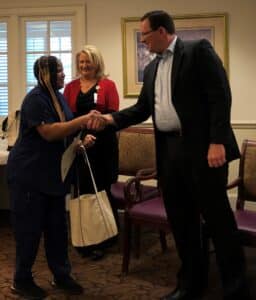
column 200, row 94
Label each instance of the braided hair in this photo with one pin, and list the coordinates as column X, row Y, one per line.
column 45, row 71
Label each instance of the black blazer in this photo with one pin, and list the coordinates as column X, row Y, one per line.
column 200, row 94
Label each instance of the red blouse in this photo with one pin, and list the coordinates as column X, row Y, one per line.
column 107, row 95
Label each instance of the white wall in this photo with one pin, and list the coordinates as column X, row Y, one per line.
column 104, row 30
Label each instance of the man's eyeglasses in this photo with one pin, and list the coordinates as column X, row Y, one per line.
column 147, row 32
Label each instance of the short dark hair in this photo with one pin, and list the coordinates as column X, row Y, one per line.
column 160, row 18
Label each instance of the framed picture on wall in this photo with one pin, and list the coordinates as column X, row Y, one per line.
column 136, row 56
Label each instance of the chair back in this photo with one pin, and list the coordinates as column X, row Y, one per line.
column 247, row 173
column 10, row 128
column 136, row 150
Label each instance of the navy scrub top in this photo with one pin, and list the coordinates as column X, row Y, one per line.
column 34, row 162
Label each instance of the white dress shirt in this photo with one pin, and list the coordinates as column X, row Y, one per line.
column 166, row 117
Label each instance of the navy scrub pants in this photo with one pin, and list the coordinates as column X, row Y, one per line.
column 33, row 215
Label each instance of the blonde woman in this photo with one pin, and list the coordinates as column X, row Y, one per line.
column 93, row 90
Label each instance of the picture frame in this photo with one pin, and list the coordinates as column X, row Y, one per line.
column 136, row 56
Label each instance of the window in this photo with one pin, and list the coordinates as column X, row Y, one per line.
column 3, row 69
column 50, row 37
column 29, row 32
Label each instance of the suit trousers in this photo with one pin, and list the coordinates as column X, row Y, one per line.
column 194, row 194
column 33, row 215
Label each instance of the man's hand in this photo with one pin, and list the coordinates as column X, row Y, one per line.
column 216, row 155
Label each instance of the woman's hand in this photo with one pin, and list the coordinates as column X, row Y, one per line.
column 89, row 140
column 59, row 130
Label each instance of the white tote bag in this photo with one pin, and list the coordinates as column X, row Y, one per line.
column 91, row 216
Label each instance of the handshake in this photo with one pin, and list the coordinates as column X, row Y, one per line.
column 94, row 120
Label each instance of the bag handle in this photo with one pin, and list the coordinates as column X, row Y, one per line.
column 86, row 160
column 108, row 227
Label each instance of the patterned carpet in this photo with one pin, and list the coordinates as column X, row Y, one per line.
column 149, row 278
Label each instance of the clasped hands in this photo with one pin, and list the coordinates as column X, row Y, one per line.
column 97, row 121
column 94, row 121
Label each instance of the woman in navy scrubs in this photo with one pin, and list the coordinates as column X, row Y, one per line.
column 37, row 193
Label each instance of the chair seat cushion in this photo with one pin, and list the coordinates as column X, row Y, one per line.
column 246, row 221
column 152, row 210
column 117, row 191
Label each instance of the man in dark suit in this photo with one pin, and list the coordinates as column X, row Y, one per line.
column 186, row 91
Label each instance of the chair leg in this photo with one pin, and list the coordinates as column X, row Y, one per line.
column 126, row 244
column 163, row 240
column 137, row 235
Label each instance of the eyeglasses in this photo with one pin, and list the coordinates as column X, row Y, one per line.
column 147, row 32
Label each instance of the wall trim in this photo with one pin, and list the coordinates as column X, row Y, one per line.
column 249, row 205
column 235, row 125
column 243, row 125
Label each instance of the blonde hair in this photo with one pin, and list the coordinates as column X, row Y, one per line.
column 95, row 57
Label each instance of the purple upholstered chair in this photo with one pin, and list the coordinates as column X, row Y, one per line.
column 142, row 211
column 136, row 151
column 246, row 184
